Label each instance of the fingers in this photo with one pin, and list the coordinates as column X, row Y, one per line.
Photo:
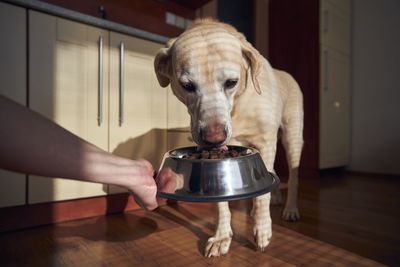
column 145, row 196
column 145, row 189
column 166, row 183
column 152, row 205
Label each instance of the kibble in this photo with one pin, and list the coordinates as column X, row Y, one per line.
column 216, row 154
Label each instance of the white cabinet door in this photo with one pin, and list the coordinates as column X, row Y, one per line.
column 334, row 83
column 138, row 105
column 334, row 108
column 64, row 87
column 13, row 86
column 335, row 24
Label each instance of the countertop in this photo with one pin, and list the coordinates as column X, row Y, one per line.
column 87, row 19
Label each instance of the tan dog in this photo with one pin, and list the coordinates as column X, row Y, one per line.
column 233, row 95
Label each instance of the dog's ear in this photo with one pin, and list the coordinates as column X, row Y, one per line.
column 162, row 64
column 254, row 58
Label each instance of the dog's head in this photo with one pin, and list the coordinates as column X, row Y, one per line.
column 207, row 66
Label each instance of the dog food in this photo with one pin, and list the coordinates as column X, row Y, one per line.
column 216, row 154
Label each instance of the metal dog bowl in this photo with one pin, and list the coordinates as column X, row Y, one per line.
column 209, row 180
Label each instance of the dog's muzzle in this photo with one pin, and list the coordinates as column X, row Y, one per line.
column 214, row 134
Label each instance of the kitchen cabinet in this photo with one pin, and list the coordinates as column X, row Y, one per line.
column 334, row 109
column 65, row 86
column 310, row 39
column 12, row 85
column 113, row 100
column 98, row 84
column 138, row 105
column 334, row 120
column 334, row 24
column 145, row 119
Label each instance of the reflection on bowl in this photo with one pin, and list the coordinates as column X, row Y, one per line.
column 207, row 180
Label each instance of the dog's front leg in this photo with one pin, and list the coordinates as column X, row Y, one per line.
column 262, row 228
column 219, row 244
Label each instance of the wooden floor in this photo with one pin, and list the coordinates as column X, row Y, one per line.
column 347, row 220
column 358, row 213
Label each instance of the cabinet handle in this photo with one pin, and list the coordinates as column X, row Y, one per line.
column 326, row 81
column 121, row 84
column 101, row 85
column 326, row 20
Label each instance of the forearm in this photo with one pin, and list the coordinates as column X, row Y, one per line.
column 32, row 144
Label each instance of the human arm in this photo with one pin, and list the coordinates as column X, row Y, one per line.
column 30, row 143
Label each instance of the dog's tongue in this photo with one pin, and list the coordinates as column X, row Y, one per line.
column 223, row 148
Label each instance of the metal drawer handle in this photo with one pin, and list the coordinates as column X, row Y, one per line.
column 326, row 70
column 101, row 85
column 121, row 84
column 326, row 20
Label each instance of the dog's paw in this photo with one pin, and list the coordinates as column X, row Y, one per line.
column 291, row 214
column 276, row 197
column 218, row 245
column 262, row 236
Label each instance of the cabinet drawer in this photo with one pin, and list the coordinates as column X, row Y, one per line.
column 334, row 109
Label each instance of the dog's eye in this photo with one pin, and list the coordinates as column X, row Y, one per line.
column 189, row 86
column 229, row 84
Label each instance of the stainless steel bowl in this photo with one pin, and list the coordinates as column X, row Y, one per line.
column 209, row 180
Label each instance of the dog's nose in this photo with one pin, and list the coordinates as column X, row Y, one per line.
column 214, row 134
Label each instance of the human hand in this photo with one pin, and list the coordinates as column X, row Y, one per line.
column 144, row 187
column 142, row 184
column 168, row 182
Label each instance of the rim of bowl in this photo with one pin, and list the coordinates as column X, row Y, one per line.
column 253, row 152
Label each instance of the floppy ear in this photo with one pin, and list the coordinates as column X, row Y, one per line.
column 162, row 64
column 254, row 59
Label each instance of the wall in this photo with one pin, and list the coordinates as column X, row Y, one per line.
column 261, row 20
column 148, row 15
column 210, row 9
column 256, row 20
column 376, row 86
column 238, row 13
column 294, row 48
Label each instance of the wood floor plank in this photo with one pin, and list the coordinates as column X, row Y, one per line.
column 347, row 220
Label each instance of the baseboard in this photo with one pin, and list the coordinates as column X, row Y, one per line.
column 373, row 174
column 26, row 216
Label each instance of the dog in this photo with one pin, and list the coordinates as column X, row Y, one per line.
column 235, row 97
